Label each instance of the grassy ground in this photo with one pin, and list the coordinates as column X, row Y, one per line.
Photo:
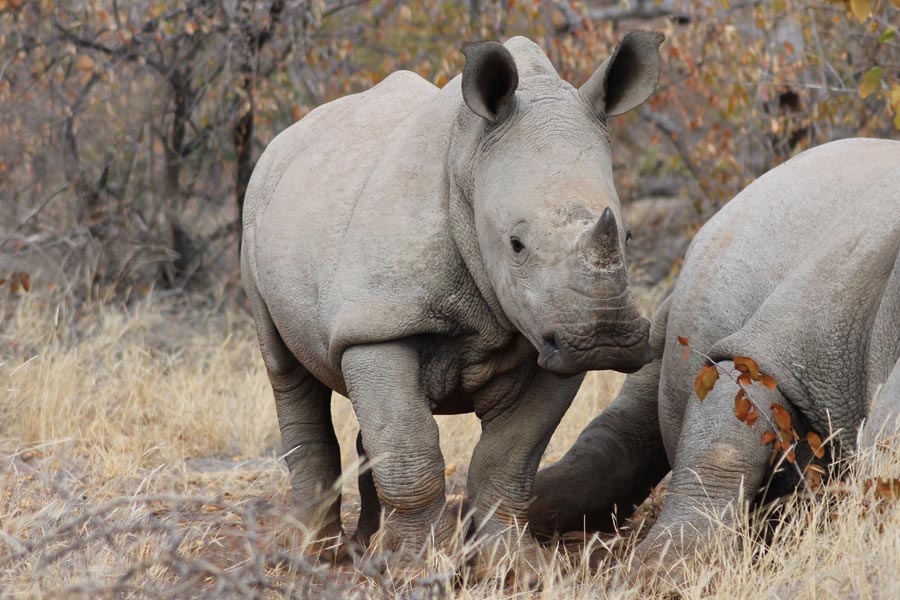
column 138, row 458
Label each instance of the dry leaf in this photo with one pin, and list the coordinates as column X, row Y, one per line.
column 860, row 9
column 782, row 418
column 747, row 365
column 889, row 489
column 752, row 418
column 20, row 279
column 768, row 437
column 768, row 381
column 741, row 406
column 815, row 442
column 705, row 381
column 84, row 63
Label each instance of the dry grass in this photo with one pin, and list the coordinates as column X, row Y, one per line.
column 137, row 458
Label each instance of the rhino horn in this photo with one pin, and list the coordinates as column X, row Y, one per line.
column 604, row 238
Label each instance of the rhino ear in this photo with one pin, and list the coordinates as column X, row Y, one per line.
column 628, row 77
column 489, row 80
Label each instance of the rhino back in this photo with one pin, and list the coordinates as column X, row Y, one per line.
column 354, row 245
column 800, row 272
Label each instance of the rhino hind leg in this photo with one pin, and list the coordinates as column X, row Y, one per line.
column 720, row 464
column 312, row 452
column 309, row 443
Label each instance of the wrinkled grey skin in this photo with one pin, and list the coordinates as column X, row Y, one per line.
column 429, row 251
column 800, row 272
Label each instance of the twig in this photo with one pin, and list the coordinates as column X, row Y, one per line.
column 775, row 429
column 675, row 136
column 34, row 212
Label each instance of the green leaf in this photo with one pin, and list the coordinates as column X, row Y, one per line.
column 888, row 35
column 871, row 81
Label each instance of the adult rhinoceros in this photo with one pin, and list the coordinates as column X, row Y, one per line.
column 800, row 272
column 432, row 251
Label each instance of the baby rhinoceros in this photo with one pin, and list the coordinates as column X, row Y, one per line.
column 437, row 251
column 799, row 272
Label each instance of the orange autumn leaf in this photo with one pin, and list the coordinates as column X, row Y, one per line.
column 814, row 476
column 748, row 366
column 744, row 379
column 741, row 406
column 752, row 417
column 84, row 63
column 768, row 381
column 683, row 341
column 768, row 437
column 705, row 381
column 20, row 280
column 782, row 418
column 815, row 443
column 889, row 489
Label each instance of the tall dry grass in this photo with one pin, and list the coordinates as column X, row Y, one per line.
column 138, row 458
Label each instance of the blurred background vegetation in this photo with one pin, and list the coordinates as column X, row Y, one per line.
column 129, row 129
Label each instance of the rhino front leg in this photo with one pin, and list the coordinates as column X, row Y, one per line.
column 401, row 441
column 370, row 507
column 611, row 468
column 719, row 463
column 514, row 436
column 614, row 463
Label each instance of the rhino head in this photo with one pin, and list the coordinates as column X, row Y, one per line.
column 546, row 215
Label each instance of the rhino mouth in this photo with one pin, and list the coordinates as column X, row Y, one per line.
column 625, row 354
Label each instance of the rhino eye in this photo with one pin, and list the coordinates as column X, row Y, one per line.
column 517, row 245
column 628, row 236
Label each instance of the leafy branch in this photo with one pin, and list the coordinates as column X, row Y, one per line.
column 781, row 434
